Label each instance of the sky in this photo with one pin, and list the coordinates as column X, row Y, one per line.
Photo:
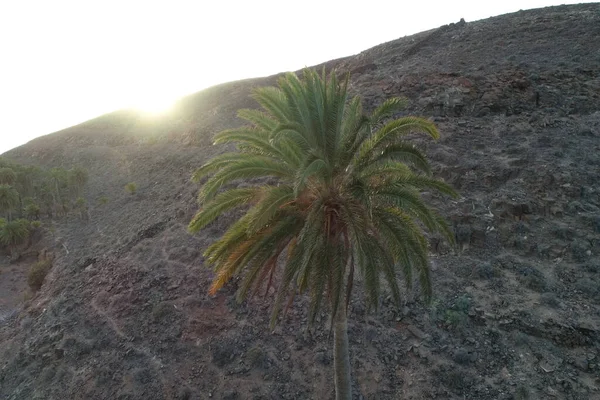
column 64, row 62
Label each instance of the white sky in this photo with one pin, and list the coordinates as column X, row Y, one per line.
column 64, row 62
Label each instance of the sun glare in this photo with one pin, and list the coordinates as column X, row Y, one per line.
column 157, row 105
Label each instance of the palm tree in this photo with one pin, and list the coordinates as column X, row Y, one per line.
column 59, row 178
column 29, row 179
column 46, row 195
column 26, row 182
column 31, row 211
column 81, row 206
column 7, row 176
column 341, row 202
column 9, row 199
column 13, row 233
column 78, row 177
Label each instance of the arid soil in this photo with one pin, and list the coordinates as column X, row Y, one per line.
column 125, row 314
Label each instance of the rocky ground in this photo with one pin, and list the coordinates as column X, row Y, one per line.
column 125, row 314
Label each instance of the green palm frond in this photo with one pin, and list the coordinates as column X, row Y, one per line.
column 273, row 100
column 218, row 162
column 255, row 167
column 255, row 139
column 258, row 118
column 223, row 202
column 316, row 168
column 14, row 232
column 406, row 153
column 270, row 204
column 354, row 123
column 233, row 237
column 387, row 172
column 393, row 131
column 388, row 108
column 9, row 198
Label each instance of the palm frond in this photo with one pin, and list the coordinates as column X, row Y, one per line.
column 403, row 152
column 218, row 162
column 269, row 205
column 255, row 167
column 223, row 202
column 394, row 130
column 352, row 123
column 316, row 167
column 273, row 100
column 408, row 234
column 258, row 118
column 388, row 108
column 251, row 138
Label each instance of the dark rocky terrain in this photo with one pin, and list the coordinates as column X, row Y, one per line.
column 125, row 314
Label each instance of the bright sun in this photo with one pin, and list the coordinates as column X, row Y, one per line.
column 155, row 105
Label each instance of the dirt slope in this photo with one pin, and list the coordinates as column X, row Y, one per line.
column 124, row 313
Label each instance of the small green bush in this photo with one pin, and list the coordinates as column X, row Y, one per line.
column 256, row 357
column 131, row 188
column 455, row 318
column 37, row 274
column 27, row 201
column 161, row 311
column 103, row 200
column 522, row 392
column 80, row 203
column 14, row 232
column 32, row 211
column 463, row 303
column 36, row 224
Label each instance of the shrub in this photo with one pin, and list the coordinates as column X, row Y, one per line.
column 522, row 392
column 103, row 200
column 456, row 379
column 80, row 203
column 488, row 271
column 32, row 211
column 131, row 188
column 28, row 200
column 455, row 318
column 13, row 233
column 462, row 304
column 549, row 299
column 256, row 357
column 521, row 339
column 534, row 281
column 35, row 224
column 37, row 274
column 162, row 311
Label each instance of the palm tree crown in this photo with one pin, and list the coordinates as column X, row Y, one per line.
column 13, row 232
column 340, row 202
column 346, row 197
column 9, row 198
column 7, row 176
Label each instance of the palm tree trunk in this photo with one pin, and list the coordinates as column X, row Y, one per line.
column 57, row 192
column 341, row 355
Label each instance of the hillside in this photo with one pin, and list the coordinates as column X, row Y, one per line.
column 125, row 313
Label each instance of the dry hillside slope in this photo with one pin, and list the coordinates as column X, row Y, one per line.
column 125, row 314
